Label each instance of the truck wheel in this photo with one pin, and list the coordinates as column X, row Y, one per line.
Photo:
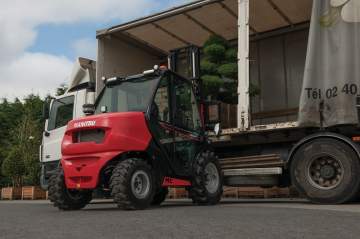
column 207, row 181
column 132, row 184
column 66, row 199
column 160, row 196
column 326, row 171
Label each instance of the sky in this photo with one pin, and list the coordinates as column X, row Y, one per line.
column 41, row 39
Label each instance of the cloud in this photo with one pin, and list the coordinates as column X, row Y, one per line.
column 22, row 72
column 19, row 18
column 85, row 47
column 37, row 73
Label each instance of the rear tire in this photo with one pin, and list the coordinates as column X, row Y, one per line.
column 207, row 181
column 326, row 171
column 160, row 196
column 66, row 199
column 132, row 184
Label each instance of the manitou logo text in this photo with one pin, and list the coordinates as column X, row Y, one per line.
column 85, row 124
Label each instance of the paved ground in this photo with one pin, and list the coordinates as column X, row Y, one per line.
column 179, row 219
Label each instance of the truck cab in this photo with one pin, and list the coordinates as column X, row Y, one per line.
column 62, row 109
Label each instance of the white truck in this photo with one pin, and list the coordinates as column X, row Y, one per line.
column 61, row 110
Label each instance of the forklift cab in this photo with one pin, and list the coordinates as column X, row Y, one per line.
column 176, row 122
column 171, row 108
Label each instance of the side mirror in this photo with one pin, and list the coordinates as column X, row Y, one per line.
column 217, row 129
column 89, row 109
column 103, row 109
column 211, row 115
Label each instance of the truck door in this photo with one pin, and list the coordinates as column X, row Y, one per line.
column 61, row 112
column 187, row 125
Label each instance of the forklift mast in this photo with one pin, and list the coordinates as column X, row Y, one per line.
column 186, row 62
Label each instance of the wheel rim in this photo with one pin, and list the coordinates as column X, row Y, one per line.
column 140, row 184
column 212, row 178
column 325, row 172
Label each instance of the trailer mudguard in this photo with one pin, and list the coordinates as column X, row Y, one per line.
column 324, row 134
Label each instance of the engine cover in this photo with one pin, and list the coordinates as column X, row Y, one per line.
column 83, row 161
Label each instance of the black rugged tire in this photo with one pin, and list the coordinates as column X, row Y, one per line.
column 120, row 184
column 198, row 192
column 160, row 196
column 348, row 187
column 60, row 196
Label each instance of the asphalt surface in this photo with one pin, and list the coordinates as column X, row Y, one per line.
column 180, row 219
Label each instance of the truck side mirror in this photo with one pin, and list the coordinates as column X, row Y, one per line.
column 212, row 115
column 88, row 109
column 89, row 106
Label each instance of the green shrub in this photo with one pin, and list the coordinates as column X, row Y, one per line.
column 219, row 70
column 212, row 84
column 215, row 52
column 208, row 67
column 228, row 70
column 14, row 166
column 231, row 55
column 215, row 40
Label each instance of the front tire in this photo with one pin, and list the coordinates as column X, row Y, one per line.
column 66, row 199
column 132, row 184
column 326, row 171
column 207, row 180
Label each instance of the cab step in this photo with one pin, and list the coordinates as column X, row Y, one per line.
column 258, row 170
column 257, row 161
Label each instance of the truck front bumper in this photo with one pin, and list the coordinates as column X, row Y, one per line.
column 47, row 169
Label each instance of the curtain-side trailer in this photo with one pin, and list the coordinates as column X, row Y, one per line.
column 268, row 146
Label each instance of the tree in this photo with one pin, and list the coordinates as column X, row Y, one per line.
column 219, row 70
column 14, row 167
column 61, row 89
column 10, row 113
column 21, row 127
column 28, row 138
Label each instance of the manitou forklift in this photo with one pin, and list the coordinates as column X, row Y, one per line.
column 147, row 134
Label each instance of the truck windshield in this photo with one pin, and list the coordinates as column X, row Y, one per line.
column 61, row 112
column 131, row 95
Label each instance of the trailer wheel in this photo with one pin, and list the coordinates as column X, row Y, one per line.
column 66, row 199
column 326, row 171
column 207, row 181
column 160, row 196
column 132, row 184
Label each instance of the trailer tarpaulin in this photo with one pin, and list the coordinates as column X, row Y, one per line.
column 332, row 70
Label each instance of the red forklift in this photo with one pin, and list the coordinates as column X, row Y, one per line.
column 148, row 133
